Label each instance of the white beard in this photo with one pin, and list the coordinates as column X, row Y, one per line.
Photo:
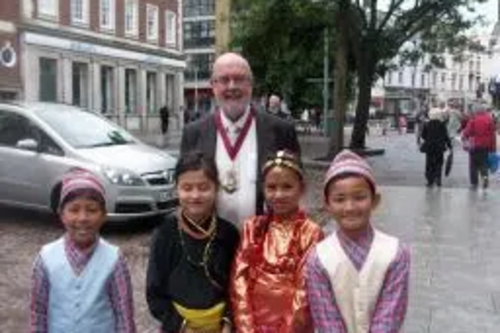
column 234, row 113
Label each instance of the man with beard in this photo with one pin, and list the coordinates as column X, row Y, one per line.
column 240, row 138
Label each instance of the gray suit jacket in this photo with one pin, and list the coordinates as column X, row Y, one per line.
column 273, row 134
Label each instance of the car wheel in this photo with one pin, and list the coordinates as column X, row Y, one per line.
column 55, row 197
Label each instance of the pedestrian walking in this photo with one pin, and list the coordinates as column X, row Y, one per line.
column 240, row 138
column 80, row 281
column 435, row 141
column 191, row 255
column 420, row 120
column 402, row 124
column 274, row 107
column 480, row 137
column 357, row 278
column 164, row 119
column 317, row 113
column 267, row 284
column 305, row 118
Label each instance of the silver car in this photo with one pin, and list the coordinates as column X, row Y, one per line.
column 39, row 142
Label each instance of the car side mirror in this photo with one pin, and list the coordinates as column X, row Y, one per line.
column 27, row 144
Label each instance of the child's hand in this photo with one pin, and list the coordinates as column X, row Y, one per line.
column 226, row 328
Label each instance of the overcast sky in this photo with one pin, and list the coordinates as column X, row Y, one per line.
column 489, row 10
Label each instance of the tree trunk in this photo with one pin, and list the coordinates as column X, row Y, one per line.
column 336, row 143
column 365, row 80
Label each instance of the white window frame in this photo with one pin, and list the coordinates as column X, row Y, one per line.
column 170, row 28
column 110, row 15
column 152, row 12
column 85, row 12
column 132, row 5
column 48, row 8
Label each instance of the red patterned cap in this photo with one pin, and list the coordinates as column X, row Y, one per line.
column 348, row 162
column 81, row 180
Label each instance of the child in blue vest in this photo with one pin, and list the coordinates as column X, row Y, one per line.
column 81, row 283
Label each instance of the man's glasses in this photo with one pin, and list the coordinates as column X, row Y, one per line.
column 237, row 80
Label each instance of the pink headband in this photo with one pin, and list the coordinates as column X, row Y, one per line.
column 347, row 162
column 80, row 180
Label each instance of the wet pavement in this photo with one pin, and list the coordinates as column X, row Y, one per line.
column 453, row 234
column 455, row 242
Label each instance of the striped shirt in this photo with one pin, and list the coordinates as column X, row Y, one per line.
column 389, row 313
column 119, row 290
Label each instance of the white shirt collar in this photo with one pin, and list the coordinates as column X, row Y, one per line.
column 229, row 124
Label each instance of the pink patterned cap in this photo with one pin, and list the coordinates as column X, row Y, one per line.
column 348, row 162
column 80, row 179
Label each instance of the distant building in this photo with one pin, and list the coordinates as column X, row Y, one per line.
column 199, row 20
column 122, row 58
column 407, row 88
column 493, row 63
column 206, row 34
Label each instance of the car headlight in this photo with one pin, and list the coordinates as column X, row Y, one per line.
column 122, row 177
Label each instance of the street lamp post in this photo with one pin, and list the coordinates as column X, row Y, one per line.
column 195, row 89
column 326, row 65
column 325, row 80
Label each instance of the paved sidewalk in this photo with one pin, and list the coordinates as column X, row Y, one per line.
column 454, row 236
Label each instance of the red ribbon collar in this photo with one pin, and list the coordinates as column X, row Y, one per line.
column 232, row 150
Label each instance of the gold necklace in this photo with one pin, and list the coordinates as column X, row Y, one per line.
column 206, row 253
column 206, row 250
column 195, row 225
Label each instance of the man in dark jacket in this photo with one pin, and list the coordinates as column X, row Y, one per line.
column 274, row 107
column 164, row 119
column 435, row 142
column 239, row 138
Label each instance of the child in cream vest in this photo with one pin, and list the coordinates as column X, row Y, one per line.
column 357, row 278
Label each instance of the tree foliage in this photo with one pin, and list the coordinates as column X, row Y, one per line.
column 377, row 36
column 282, row 39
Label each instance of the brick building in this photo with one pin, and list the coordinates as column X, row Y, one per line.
column 10, row 71
column 122, row 58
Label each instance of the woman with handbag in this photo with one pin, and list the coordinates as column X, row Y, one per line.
column 480, row 136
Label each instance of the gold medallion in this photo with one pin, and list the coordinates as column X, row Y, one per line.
column 230, row 183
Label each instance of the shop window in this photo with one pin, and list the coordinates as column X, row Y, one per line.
column 130, row 90
column 107, row 84
column 80, row 84
column 48, row 80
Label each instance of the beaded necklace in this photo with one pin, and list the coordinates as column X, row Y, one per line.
column 210, row 233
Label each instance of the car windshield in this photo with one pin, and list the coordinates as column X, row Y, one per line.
column 85, row 130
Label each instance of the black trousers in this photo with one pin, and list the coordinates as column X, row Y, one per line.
column 164, row 126
column 434, row 167
column 478, row 165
